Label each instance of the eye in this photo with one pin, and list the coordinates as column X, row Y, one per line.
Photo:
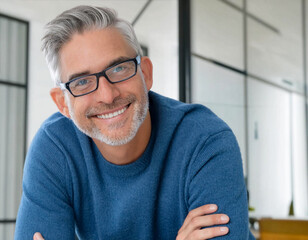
column 118, row 69
column 81, row 82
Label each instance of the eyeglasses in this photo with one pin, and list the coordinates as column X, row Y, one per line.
column 89, row 83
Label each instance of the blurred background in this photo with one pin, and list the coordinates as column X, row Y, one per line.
column 244, row 59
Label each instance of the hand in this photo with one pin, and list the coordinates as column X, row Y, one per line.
column 199, row 218
column 195, row 220
column 37, row 236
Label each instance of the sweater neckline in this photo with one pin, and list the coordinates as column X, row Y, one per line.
column 126, row 170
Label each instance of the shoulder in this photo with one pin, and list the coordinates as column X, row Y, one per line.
column 57, row 129
column 48, row 155
column 195, row 118
column 56, row 142
column 193, row 131
column 49, row 141
column 57, row 123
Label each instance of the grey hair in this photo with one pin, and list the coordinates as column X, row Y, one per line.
column 77, row 20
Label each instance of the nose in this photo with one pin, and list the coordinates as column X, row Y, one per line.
column 106, row 91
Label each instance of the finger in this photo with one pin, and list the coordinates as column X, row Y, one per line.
column 208, row 233
column 205, row 221
column 205, row 209
column 37, row 236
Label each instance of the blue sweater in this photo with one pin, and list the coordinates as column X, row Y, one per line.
column 192, row 159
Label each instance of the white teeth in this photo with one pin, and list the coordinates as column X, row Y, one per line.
column 111, row 115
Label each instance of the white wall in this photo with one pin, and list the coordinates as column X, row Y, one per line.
column 299, row 156
column 276, row 56
column 269, row 175
column 157, row 29
column 40, row 104
column 217, row 32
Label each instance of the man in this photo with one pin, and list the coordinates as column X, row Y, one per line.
column 120, row 161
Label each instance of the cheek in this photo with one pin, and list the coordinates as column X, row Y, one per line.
column 138, row 89
column 79, row 108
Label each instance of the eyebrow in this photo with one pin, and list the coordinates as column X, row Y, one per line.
column 113, row 62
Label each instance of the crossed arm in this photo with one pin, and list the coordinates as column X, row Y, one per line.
column 193, row 226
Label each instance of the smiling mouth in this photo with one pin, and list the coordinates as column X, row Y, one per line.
column 113, row 114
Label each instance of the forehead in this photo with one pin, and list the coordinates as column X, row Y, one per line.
column 92, row 50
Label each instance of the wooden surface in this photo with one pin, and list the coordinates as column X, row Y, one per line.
column 283, row 229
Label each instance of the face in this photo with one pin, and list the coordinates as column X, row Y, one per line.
column 114, row 112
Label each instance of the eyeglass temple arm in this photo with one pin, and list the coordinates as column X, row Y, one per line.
column 62, row 86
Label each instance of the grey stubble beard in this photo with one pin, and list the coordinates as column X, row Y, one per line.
column 140, row 112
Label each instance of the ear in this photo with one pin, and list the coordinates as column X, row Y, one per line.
column 147, row 70
column 58, row 97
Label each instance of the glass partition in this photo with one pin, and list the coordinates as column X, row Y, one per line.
column 248, row 67
column 13, row 90
column 13, row 39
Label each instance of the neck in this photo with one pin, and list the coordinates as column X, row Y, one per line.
column 130, row 152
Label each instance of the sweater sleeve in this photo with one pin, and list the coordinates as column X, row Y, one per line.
column 216, row 176
column 45, row 205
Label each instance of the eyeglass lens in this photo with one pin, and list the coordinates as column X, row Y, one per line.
column 117, row 73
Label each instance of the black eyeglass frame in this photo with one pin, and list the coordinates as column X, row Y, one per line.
column 66, row 86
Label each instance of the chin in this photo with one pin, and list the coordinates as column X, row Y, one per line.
column 115, row 140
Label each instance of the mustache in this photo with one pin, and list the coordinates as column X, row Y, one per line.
column 117, row 102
